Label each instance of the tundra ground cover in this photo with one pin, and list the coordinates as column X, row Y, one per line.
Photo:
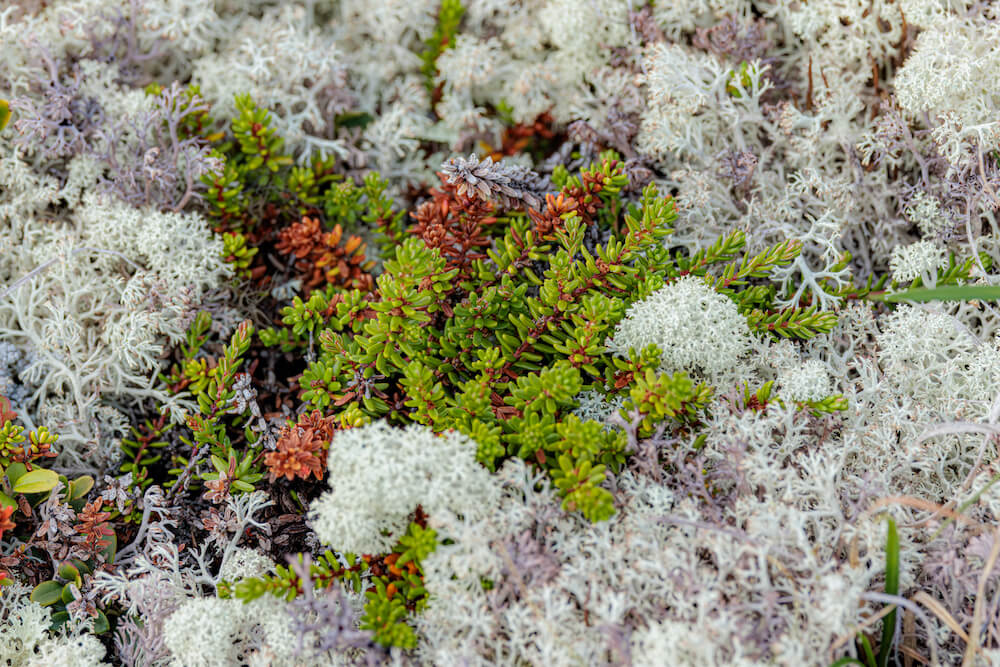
column 476, row 332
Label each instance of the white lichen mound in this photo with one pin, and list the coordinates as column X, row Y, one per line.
column 378, row 476
column 81, row 651
column 245, row 563
column 22, row 626
column 202, row 632
column 213, row 632
column 807, row 382
column 953, row 67
column 920, row 259
column 695, row 327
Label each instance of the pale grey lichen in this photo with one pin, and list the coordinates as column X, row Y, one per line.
column 696, row 328
column 379, row 474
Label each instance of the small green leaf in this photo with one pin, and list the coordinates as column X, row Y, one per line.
column 36, row 481
column 6, row 501
column 111, row 549
column 352, row 119
column 221, row 466
column 69, row 571
column 46, row 593
column 15, row 471
column 101, row 624
column 80, row 486
column 4, row 114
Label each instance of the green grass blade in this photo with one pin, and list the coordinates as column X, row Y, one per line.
column 847, row 661
column 891, row 588
column 869, row 654
column 947, row 293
